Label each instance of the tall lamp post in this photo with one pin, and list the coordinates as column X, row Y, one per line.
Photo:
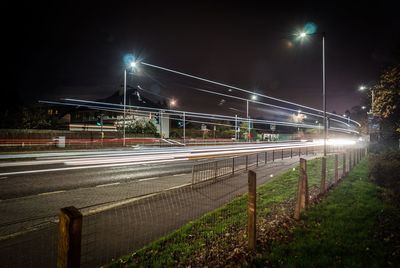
column 363, row 88
column 302, row 36
column 253, row 97
column 131, row 65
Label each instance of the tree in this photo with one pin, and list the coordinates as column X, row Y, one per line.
column 35, row 118
column 387, row 101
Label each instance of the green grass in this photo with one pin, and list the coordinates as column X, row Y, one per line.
column 179, row 246
column 338, row 232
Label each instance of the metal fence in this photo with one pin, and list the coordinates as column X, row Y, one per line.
column 229, row 166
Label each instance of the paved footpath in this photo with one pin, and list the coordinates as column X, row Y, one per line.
column 117, row 230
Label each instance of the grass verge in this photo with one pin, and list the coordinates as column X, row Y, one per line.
column 343, row 230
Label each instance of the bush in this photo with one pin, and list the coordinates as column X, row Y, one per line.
column 384, row 168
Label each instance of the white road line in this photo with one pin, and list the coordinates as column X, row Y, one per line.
column 55, row 192
column 2, row 178
column 179, row 174
column 179, row 186
column 149, row 179
column 87, row 167
column 108, row 184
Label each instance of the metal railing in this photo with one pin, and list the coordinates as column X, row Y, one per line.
column 229, row 166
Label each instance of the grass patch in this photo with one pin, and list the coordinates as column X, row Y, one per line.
column 341, row 231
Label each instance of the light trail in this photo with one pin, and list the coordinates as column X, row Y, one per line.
column 166, row 157
column 200, row 115
column 242, row 90
column 267, row 104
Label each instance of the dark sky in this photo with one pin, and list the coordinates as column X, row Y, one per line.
column 72, row 49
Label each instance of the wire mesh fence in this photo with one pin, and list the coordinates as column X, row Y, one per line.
column 33, row 248
column 119, row 229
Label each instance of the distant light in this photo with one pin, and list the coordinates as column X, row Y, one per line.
column 316, row 122
column 253, row 97
column 271, row 175
column 305, row 116
column 363, row 107
column 133, row 64
column 172, row 103
column 299, row 111
column 362, row 88
column 230, row 90
column 344, row 115
column 303, row 34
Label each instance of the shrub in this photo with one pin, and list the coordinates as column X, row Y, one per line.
column 384, row 168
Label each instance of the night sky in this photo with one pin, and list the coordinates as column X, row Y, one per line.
column 71, row 49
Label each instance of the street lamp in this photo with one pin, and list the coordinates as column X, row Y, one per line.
column 132, row 65
column 172, row 103
column 253, row 97
column 363, row 88
column 303, row 35
column 348, row 119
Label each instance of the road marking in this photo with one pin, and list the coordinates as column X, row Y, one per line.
column 90, row 167
column 179, row 174
column 179, row 186
column 108, row 184
column 55, row 192
column 2, row 178
column 149, row 179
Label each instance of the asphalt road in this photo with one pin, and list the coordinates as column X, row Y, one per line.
column 42, row 173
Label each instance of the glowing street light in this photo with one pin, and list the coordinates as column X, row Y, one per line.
column 172, row 103
column 132, row 65
column 303, row 35
column 363, row 88
column 253, row 97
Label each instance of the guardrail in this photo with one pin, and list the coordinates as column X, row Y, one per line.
column 229, row 166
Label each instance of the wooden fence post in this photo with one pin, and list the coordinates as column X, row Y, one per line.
column 247, row 161
column 273, row 155
column 302, row 189
column 282, row 155
column 216, row 170
column 266, row 157
column 70, row 233
column 336, row 168
column 350, row 161
column 257, row 160
column 354, row 157
column 323, row 175
column 233, row 165
column 344, row 165
column 251, row 210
